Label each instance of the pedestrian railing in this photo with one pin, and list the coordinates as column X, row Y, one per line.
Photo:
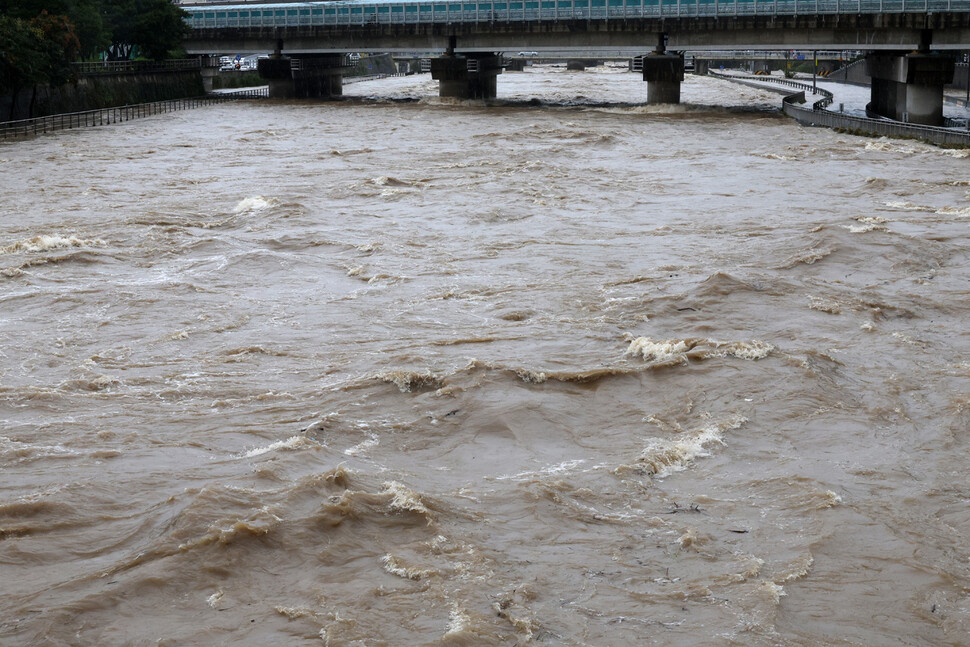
column 106, row 116
column 821, row 104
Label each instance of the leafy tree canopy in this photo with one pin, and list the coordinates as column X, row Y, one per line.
column 155, row 26
column 38, row 50
column 152, row 28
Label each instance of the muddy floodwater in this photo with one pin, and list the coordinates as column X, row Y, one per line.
column 562, row 370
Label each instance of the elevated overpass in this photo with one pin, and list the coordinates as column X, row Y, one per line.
column 309, row 37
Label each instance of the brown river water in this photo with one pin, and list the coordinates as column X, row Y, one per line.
column 562, row 370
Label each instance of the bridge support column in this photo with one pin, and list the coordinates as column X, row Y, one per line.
column 763, row 66
column 701, row 66
column 209, row 69
column 909, row 87
column 663, row 73
column 306, row 77
column 470, row 76
column 275, row 70
column 319, row 76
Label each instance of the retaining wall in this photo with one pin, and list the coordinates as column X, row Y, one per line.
column 818, row 116
column 101, row 91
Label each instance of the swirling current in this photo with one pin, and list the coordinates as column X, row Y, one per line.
column 564, row 370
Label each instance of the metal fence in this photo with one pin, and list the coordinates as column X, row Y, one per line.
column 361, row 12
column 821, row 104
column 106, row 116
column 126, row 67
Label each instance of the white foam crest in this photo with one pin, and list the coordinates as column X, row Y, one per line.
column 458, row 621
column 395, row 566
column 658, row 351
column 46, row 243
column 867, row 223
column 372, row 441
column 405, row 500
column 291, row 443
column 823, row 304
column 889, row 147
column 214, row 598
column 255, row 203
column 953, row 211
column 561, row 468
column 672, row 349
column 663, row 457
column 907, row 206
column 749, row 350
column 775, row 591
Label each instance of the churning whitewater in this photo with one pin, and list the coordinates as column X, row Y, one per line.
column 564, row 369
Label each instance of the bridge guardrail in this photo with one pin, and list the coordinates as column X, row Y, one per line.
column 106, row 116
column 456, row 11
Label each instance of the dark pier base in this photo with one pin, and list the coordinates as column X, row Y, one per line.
column 467, row 76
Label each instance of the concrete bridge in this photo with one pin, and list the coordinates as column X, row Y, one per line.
column 904, row 39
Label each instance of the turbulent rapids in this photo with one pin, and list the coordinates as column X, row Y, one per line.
column 561, row 370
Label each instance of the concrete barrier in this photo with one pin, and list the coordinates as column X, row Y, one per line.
column 818, row 116
column 878, row 127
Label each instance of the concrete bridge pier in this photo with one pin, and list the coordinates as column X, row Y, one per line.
column 909, row 87
column 663, row 73
column 209, row 68
column 318, row 76
column 275, row 70
column 312, row 76
column 472, row 75
column 701, row 66
column 828, row 66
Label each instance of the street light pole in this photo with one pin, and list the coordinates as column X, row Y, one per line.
column 814, row 71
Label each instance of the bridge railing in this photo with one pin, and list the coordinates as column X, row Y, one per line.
column 298, row 14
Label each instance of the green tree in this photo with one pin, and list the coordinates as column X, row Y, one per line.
column 19, row 56
column 155, row 27
column 58, row 46
column 85, row 15
column 89, row 26
column 34, row 52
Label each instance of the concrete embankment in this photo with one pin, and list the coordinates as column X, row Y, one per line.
column 92, row 92
column 817, row 115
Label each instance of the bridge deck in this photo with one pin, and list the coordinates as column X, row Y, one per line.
column 361, row 12
column 579, row 25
